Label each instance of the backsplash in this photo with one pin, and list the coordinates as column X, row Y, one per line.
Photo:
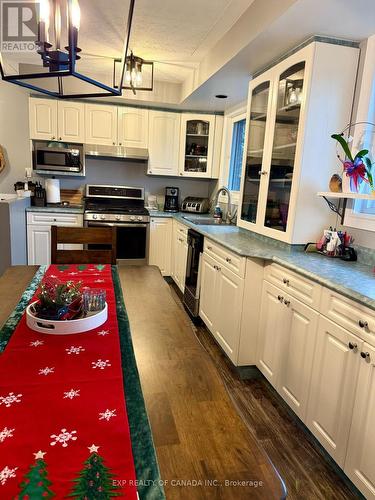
column 126, row 173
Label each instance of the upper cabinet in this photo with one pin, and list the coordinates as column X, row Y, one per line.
column 71, row 121
column 293, row 109
column 164, row 142
column 133, row 127
column 197, row 143
column 101, row 124
column 43, row 119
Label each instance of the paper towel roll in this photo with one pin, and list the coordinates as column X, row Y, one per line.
column 53, row 190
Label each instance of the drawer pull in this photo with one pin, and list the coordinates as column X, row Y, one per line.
column 228, row 259
column 365, row 355
column 209, row 248
column 286, row 281
column 180, row 239
column 280, row 298
column 352, row 346
column 287, row 303
column 363, row 324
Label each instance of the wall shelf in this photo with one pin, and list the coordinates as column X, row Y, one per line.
column 342, row 198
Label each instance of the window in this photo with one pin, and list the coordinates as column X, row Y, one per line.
column 236, row 153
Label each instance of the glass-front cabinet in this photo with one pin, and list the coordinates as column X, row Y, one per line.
column 289, row 156
column 196, row 145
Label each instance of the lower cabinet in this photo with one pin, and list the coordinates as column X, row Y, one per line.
column 333, row 385
column 179, row 254
column 360, row 460
column 39, row 234
column 286, row 346
column 161, row 244
column 221, row 304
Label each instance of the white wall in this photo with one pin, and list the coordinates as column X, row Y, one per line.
column 14, row 134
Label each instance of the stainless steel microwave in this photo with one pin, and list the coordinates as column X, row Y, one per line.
column 58, row 158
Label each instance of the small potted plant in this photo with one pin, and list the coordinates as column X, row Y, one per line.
column 59, row 301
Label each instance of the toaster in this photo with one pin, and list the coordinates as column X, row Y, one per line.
column 195, row 204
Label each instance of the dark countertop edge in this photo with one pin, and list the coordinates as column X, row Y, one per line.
column 332, row 285
column 54, row 210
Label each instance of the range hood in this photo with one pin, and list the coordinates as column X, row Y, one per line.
column 121, row 152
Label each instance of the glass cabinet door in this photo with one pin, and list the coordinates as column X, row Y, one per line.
column 281, row 172
column 196, row 146
column 255, row 151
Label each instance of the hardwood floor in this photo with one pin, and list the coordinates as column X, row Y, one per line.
column 202, row 430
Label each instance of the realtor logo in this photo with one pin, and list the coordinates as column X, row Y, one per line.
column 19, row 25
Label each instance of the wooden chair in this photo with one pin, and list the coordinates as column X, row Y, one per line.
column 84, row 236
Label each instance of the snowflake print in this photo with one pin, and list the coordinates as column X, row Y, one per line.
column 6, row 433
column 107, row 415
column 73, row 393
column 47, row 370
column 73, row 273
column 103, row 332
column 36, row 343
column 52, row 276
column 6, row 474
column 100, row 364
column 10, row 399
column 99, row 281
column 64, row 437
column 74, row 349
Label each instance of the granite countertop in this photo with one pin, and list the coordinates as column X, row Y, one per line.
column 355, row 280
column 74, row 209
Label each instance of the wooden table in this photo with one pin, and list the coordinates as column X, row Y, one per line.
column 197, row 432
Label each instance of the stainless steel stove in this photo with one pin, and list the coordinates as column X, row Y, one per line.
column 123, row 207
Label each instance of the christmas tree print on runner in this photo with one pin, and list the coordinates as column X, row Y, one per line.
column 36, row 484
column 100, row 267
column 63, row 267
column 82, row 267
column 95, row 480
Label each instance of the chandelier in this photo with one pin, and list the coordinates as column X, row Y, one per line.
column 56, row 74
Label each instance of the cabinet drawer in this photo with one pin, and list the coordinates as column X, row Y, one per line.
column 229, row 259
column 302, row 288
column 354, row 317
column 54, row 219
column 180, row 230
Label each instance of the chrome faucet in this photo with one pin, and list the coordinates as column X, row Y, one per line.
column 225, row 190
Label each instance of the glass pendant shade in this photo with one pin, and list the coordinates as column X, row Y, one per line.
column 46, row 57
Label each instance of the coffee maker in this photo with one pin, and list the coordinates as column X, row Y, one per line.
column 171, row 199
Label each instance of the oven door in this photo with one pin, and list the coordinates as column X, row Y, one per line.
column 132, row 242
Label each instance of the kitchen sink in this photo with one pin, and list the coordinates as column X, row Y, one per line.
column 204, row 221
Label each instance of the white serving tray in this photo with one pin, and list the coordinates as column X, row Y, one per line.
column 68, row 327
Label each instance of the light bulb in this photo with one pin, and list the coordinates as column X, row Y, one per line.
column 127, row 77
column 134, row 77
column 139, row 78
column 75, row 14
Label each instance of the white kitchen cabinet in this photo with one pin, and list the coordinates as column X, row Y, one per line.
column 161, row 244
column 220, row 304
column 71, row 121
column 101, row 124
column 197, row 145
column 272, row 332
column 39, row 245
column 133, row 127
column 360, row 459
column 207, row 300
column 333, row 384
column 297, row 353
column 164, row 142
column 288, row 121
column 43, row 119
column 179, row 254
column 39, row 234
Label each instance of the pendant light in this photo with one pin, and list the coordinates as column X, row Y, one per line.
column 139, row 74
column 57, row 74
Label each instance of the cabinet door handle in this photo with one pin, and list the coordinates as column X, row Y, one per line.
column 352, row 346
column 181, row 173
column 262, row 172
column 228, row 259
column 365, row 355
column 287, row 303
column 120, row 143
column 219, row 268
column 286, row 281
column 363, row 324
column 209, row 248
column 114, row 144
column 280, row 298
column 150, row 171
column 180, row 239
column 53, row 137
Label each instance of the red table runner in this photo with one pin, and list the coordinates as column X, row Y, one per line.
column 63, row 423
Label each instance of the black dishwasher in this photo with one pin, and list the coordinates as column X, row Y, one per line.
column 192, row 281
